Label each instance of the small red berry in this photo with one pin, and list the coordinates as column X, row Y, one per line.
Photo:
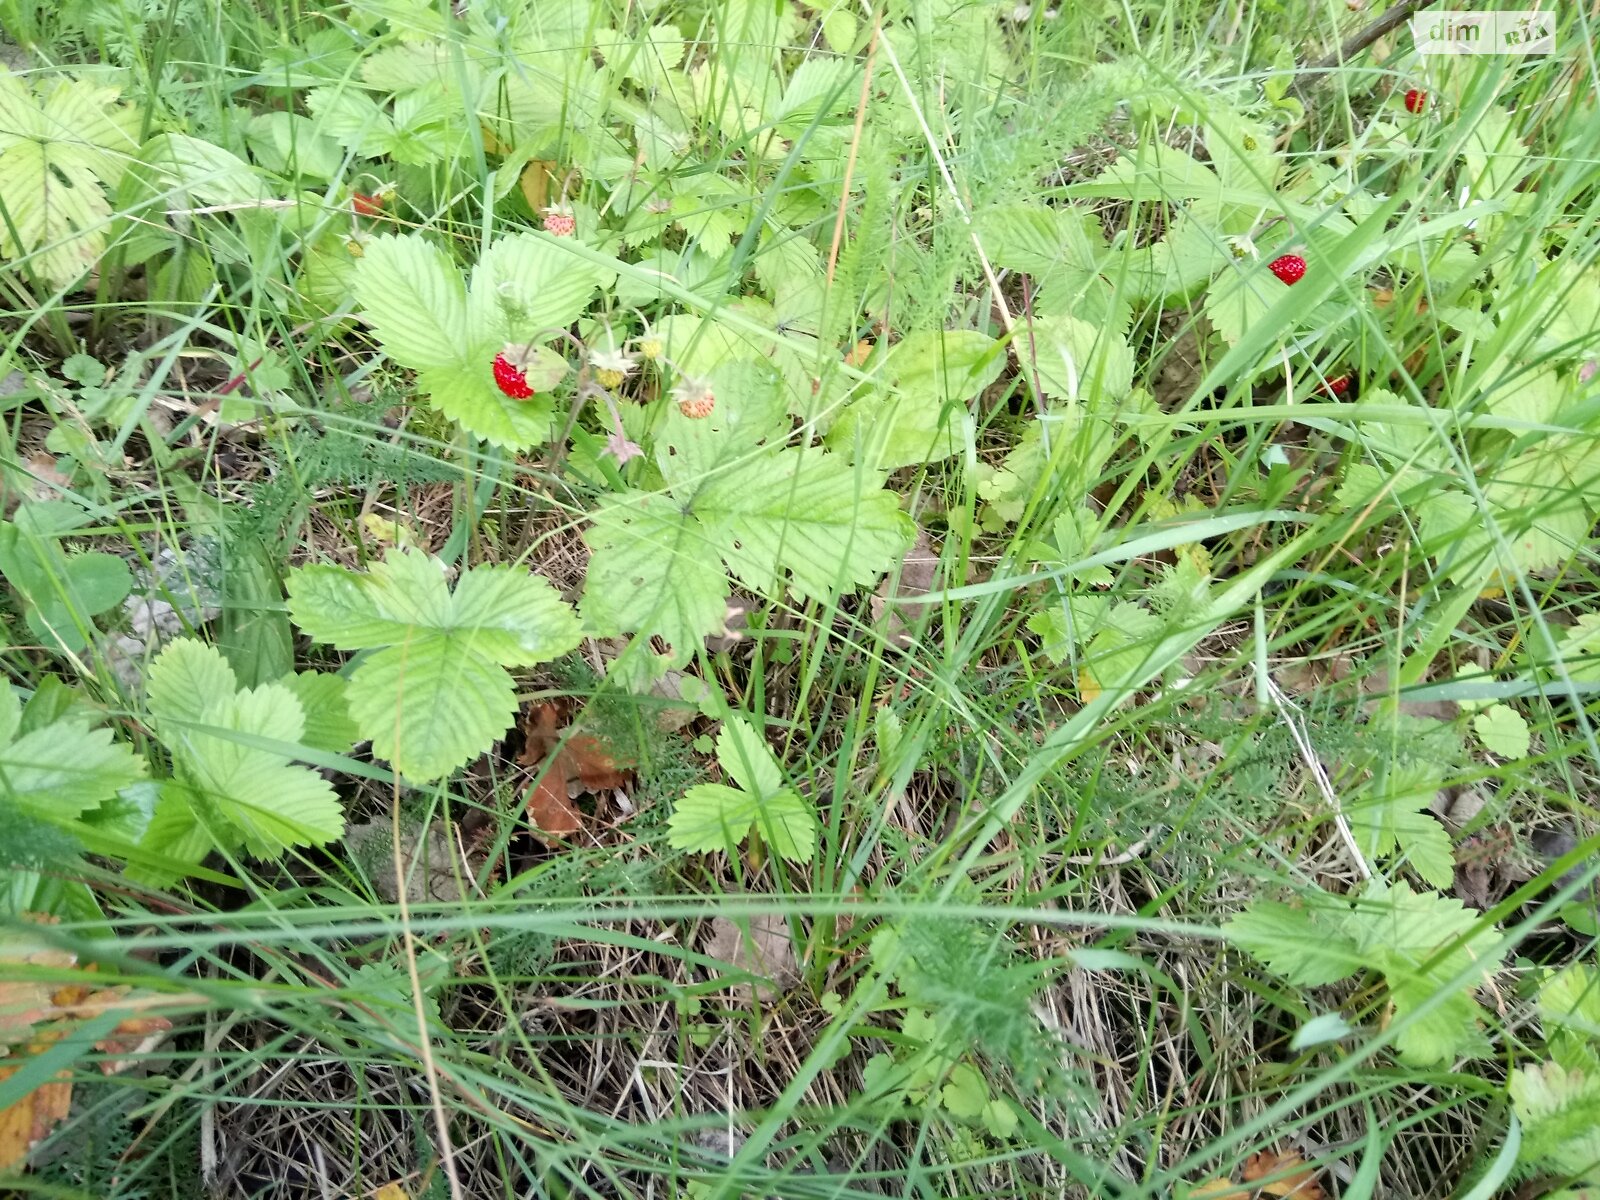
column 558, row 222
column 1290, row 268
column 508, row 377
column 1337, row 387
column 1416, row 100
column 366, row 205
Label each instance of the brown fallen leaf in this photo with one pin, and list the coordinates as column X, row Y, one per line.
column 1218, row 1189
column 767, row 952
column 917, row 571
column 1283, row 1173
column 34, row 1014
column 550, row 810
column 570, row 764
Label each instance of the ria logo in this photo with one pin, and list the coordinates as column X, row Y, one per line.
column 1456, row 32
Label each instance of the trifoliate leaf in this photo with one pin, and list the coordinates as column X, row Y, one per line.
column 247, row 783
column 772, row 516
column 434, row 692
column 713, row 816
column 1503, row 732
column 61, row 143
column 63, row 769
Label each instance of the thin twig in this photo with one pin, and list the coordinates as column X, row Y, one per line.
column 1358, row 41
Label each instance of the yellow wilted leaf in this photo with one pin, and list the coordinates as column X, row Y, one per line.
column 535, row 183
column 26, row 1123
column 391, row 1191
column 1089, row 688
column 33, row 1015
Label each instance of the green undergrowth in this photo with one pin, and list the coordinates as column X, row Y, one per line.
column 721, row 597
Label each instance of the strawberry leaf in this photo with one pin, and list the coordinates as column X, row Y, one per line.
column 413, row 297
column 61, row 144
column 63, row 769
column 771, row 516
column 243, row 790
column 433, row 693
column 714, row 816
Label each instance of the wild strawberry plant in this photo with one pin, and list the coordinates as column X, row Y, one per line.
column 433, row 691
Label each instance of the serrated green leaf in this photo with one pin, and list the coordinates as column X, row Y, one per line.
column 1238, row 299
column 1155, row 171
column 1073, row 360
column 322, row 697
column 353, row 119
column 435, row 693
column 527, row 288
column 1560, row 1113
column 653, row 568
column 660, row 562
column 1419, row 941
column 1308, row 946
column 1503, row 732
column 747, row 758
column 413, row 298
column 1393, row 816
column 248, row 782
column 429, row 708
column 64, row 769
column 199, row 171
column 805, row 514
column 468, row 396
column 934, row 377
column 713, row 816
column 1040, row 239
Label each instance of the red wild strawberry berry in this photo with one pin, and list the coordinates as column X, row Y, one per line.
column 1290, row 268
column 1337, row 387
column 366, row 205
column 559, row 222
column 1416, row 100
column 508, row 377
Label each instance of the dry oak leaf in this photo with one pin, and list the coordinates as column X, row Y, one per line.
column 573, row 764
